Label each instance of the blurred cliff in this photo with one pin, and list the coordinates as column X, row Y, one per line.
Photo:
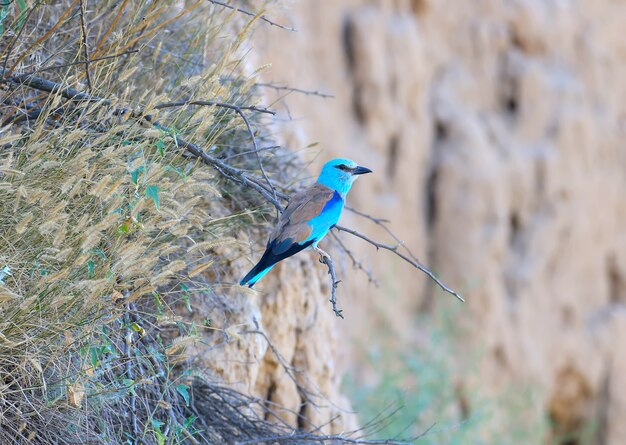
column 495, row 129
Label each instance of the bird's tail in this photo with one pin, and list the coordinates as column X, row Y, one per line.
column 255, row 274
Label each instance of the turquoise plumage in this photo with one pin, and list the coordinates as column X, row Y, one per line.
column 309, row 216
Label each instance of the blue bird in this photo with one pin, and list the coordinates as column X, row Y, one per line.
column 309, row 216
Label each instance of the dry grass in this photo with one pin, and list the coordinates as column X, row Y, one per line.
column 107, row 225
column 98, row 211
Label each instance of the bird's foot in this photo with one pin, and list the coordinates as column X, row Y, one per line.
column 323, row 255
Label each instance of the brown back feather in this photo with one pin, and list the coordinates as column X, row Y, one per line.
column 303, row 207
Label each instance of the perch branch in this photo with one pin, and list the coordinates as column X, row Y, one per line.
column 395, row 249
column 326, row 259
column 249, row 152
column 355, row 262
column 236, row 175
column 250, row 14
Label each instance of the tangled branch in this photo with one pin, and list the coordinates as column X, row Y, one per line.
column 262, row 185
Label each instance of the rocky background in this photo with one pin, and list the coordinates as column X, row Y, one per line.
column 496, row 132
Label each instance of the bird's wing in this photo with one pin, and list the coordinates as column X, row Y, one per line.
column 307, row 218
column 295, row 224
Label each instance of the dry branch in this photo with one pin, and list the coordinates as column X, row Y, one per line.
column 250, row 14
column 83, row 33
column 395, row 249
column 326, row 259
column 267, row 190
column 295, row 90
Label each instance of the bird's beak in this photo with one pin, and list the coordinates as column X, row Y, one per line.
column 361, row 171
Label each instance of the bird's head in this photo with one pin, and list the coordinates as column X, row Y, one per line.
column 339, row 174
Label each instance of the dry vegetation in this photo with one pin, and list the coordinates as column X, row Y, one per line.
column 130, row 154
column 102, row 210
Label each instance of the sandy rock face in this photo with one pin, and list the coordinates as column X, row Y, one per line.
column 496, row 131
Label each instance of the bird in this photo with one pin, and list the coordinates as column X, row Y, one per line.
column 308, row 217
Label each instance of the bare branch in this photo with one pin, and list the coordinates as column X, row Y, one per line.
column 209, row 103
column 411, row 261
column 228, row 171
column 249, row 152
column 326, row 259
column 50, row 87
column 251, row 14
column 96, row 59
column 355, row 262
column 239, row 110
column 295, row 90
column 267, row 191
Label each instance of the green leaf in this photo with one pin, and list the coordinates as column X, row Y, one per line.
column 94, row 357
column 156, row 423
column 189, row 421
column 137, row 328
column 134, row 175
column 152, row 192
column 183, row 390
column 91, row 267
column 160, row 145
column 5, row 272
column 176, row 170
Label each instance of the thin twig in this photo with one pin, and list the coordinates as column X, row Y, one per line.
column 42, row 38
column 295, row 90
column 228, row 171
column 239, row 110
column 251, row 14
column 256, row 151
column 65, row 65
column 83, row 32
column 326, row 259
column 249, row 152
column 355, row 262
column 209, row 103
column 394, row 248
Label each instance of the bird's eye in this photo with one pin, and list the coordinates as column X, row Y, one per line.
column 342, row 167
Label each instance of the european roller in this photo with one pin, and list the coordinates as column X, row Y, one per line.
column 309, row 216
